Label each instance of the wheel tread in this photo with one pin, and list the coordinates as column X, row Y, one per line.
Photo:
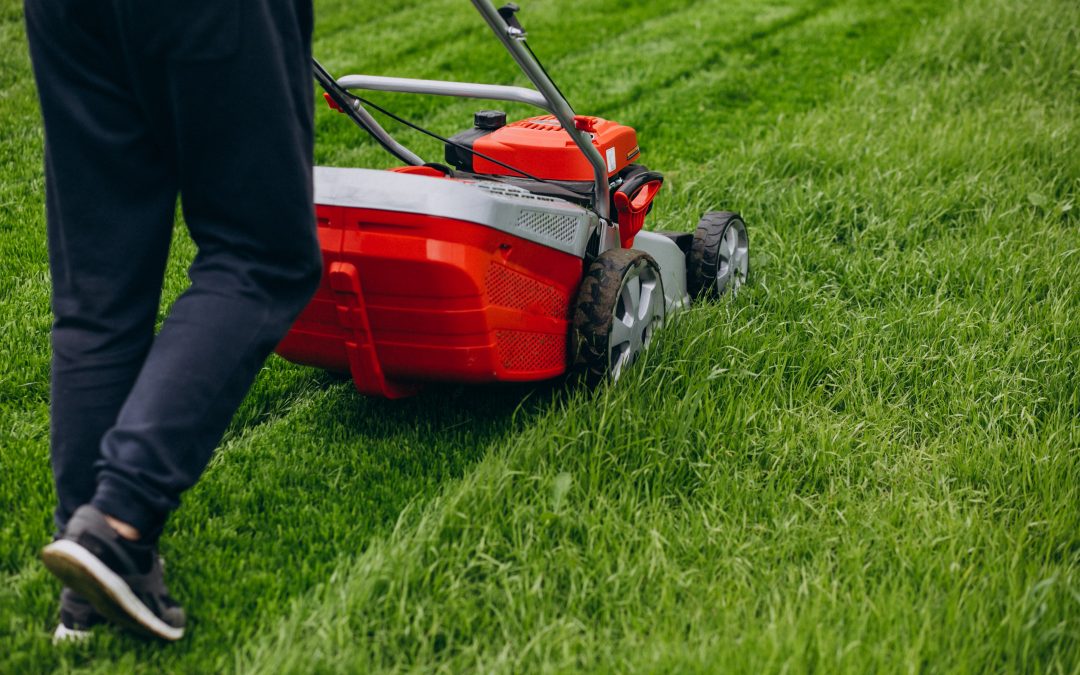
column 703, row 259
column 594, row 311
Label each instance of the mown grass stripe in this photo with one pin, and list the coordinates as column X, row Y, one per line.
column 589, row 70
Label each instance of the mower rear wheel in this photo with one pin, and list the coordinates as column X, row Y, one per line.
column 718, row 261
column 620, row 305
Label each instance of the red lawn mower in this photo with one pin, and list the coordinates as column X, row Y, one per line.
column 522, row 257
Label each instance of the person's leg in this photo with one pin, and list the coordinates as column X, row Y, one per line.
column 243, row 133
column 111, row 198
column 236, row 109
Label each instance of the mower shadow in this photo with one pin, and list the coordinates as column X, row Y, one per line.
column 438, row 407
column 486, row 409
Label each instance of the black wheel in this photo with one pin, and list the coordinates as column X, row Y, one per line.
column 619, row 306
column 719, row 260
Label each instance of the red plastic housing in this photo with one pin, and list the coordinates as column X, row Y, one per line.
column 408, row 298
column 540, row 146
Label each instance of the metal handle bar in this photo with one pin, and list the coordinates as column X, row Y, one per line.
column 405, row 85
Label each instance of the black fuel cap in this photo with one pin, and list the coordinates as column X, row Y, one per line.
column 489, row 120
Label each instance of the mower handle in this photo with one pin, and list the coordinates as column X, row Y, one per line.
column 339, row 99
column 512, row 35
column 546, row 96
column 406, row 85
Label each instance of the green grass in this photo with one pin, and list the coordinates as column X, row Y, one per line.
column 868, row 461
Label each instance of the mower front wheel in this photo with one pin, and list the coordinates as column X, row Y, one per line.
column 620, row 304
column 719, row 258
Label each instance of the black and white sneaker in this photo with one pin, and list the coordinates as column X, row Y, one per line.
column 122, row 579
column 77, row 617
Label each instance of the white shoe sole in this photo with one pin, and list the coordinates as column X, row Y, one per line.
column 107, row 592
column 65, row 635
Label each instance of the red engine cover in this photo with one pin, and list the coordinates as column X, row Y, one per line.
column 542, row 147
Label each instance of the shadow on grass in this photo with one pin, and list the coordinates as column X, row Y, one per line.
column 301, row 487
column 285, row 385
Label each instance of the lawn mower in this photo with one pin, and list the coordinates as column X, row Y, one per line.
column 522, row 256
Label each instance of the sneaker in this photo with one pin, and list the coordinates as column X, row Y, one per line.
column 77, row 617
column 122, row 579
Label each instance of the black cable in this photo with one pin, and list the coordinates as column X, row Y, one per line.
column 436, row 136
column 340, row 95
column 543, row 69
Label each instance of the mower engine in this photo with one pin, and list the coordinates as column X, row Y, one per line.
column 540, row 146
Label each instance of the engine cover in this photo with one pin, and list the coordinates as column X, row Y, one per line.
column 540, row 146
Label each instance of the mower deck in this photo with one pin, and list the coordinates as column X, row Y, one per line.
column 411, row 293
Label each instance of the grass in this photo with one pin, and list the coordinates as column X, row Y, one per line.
column 868, row 461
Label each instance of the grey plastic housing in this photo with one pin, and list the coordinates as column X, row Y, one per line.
column 672, row 262
column 552, row 222
column 549, row 221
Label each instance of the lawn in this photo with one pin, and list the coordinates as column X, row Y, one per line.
column 867, row 461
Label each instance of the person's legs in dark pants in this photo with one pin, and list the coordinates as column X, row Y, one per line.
column 243, row 132
column 139, row 103
column 111, row 190
column 111, row 194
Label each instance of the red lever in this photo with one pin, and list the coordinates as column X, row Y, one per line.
column 585, row 123
column 332, row 103
column 632, row 210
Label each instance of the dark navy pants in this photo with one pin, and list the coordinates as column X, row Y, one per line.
column 144, row 101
